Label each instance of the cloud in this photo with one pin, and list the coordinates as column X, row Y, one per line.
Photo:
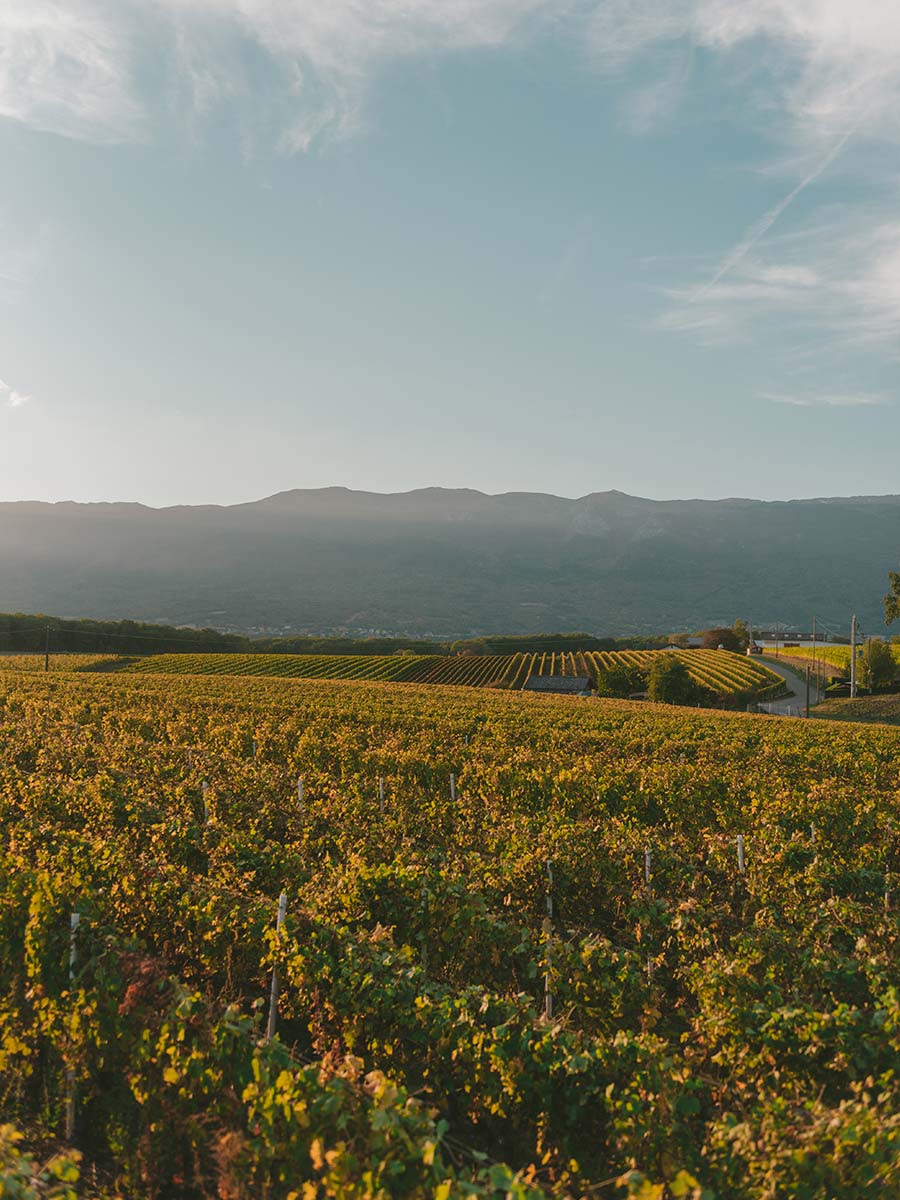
column 10, row 398
column 91, row 68
column 831, row 400
column 74, row 67
column 821, row 79
column 825, row 65
column 761, row 227
column 834, row 283
column 66, row 66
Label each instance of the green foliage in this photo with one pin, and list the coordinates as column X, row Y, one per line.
column 670, row 683
column 722, row 636
column 713, row 1034
column 22, row 1177
column 892, row 599
column 25, row 632
column 877, row 664
column 622, row 681
column 742, row 633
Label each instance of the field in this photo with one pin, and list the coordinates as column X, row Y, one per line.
column 720, row 672
column 837, row 657
column 866, row 709
column 520, row 955
column 58, row 662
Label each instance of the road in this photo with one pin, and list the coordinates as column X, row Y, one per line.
column 795, row 678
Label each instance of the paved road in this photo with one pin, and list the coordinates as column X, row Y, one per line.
column 795, row 678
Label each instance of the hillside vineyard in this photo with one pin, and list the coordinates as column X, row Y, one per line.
column 531, row 946
column 719, row 672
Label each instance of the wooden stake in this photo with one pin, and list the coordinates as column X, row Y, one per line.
column 740, row 852
column 273, row 995
column 452, row 786
column 548, row 993
column 648, row 858
column 74, row 921
column 381, row 794
column 205, row 803
column 424, row 942
column 300, row 793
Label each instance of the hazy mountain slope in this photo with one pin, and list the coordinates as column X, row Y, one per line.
column 454, row 562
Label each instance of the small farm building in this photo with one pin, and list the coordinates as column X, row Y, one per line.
column 567, row 685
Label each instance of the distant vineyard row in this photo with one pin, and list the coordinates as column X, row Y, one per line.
column 719, row 671
column 834, row 656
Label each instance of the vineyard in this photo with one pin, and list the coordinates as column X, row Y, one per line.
column 720, row 672
column 866, row 709
column 837, row 657
column 325, row 939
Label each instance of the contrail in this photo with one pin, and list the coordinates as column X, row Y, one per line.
column 768, row 219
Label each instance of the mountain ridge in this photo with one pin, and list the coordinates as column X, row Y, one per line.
column 453, row 562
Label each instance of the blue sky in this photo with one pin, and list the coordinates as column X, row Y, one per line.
column 249, row 245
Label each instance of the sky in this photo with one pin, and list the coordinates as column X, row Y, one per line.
column 514, row 245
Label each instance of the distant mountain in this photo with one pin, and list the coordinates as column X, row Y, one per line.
column 454, row 562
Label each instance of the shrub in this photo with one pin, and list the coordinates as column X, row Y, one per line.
column 670, row 682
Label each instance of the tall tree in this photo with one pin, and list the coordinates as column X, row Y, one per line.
column 892, row 599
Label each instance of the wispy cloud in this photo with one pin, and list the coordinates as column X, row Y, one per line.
column 80, row 67
column 823, row 82
column 830, row 400
column 835, row 282
column 10, row 398
column 827, row 65
column 74, row 67
column 67, row 67
column 820, row 77
column 761, row 227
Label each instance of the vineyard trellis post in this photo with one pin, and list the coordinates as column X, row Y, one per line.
column 74, row 921
column 424, row 937
column 381, row 794
column 648, row 861
column 548, row 992
column 452, row 786
column 740, row 853
column 300, row 792
column 273, row 994
column 205, row 787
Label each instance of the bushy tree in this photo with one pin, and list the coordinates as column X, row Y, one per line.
column 877, row 665
column 714, row 638
column 892, row 599
column 742, row 633
column 621, row 682
column 670, row 683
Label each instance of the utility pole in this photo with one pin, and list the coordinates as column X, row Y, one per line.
column 47, row 649
column 853, row 657
column 808, row 670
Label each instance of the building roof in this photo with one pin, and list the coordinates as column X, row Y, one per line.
column 569, row 684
